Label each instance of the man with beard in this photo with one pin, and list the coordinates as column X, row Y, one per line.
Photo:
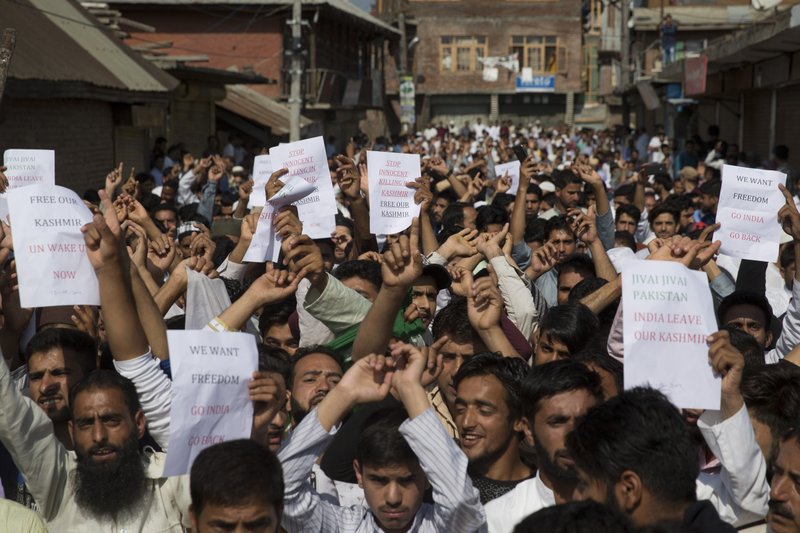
column 553, row 396
column 634, row 454
column 488, row 414
column 784, row 498
column 316, row 370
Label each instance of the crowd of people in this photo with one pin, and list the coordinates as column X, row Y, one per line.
column 463, row 375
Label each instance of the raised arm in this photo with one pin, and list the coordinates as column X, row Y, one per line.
column 527, row 170
column 585, row 228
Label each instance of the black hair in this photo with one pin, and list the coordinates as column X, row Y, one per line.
column 748, row 346
column 502, row 200
column 586, row 516
column 276, row 314
column 557, row 377
column 342, row 220
column 224, row 247
column 275, row 360
column 534, row 230
column 781, row 152
column 679, row 202
column 107, row 379
column 755, row 299
column 235, row 473
column 712, row 187
column 585, row 287
column 164, row 207
column 452, row 320
column 573, row 324
column 549, row 198
column 664, row 180
column 772, row 396
column 641, row 431
column 597, row 356
column 787, row 257
column 630, row 210
column 81, row 344
column 626, row 238
column 557, row 223
column 369, row 271
column 562, row 178
column 534, row 189
column 509, row 371
column 490, row 214
column 381, row 443
column 579, row 263
column 627, row 190
column 453, row 216
column 305, row 351
column 660, row 209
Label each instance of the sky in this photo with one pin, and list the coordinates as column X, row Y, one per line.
column 363, row 4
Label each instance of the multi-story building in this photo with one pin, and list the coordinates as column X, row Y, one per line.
column 514, row 60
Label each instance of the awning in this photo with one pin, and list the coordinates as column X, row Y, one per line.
column 260, row 109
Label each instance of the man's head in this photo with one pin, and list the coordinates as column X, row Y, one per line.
column 277, row 363
column 388, row 471
column 236, row 486
column 274, row 327
column 635, row 453
column 624, row 195
column 784, row 496
column 788, row 265
column 533, row 195
column 488, row 409
column 573, row 270
column 568, row 188
column 491, row 219
column 576, row 517
column 462, row 343
column 315, row 371
column 342, row 239
column 362, row 276
column 709, row 195
column 554, row 395
column 627, row 218
column 440, row 204
column 107, row 423
column 749, row 312
column 664, row 221
column 459, row 215
column 58, row 358
column 772, row 396
column 564, row 330
column 167, row 215
column 558, row 232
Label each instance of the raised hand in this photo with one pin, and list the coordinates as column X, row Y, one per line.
column 275, row 285
column 588, row 174
column 492, row 246
column 3, row 179
column 503, row 183
column 113, row 180
column 544, row 259
column 85, row 319
column 138, row 249
column 402, row 262
column 410, row 363
column 274, row 183
column 202, row 246
column 245, row 189
column 267, row 391
column 303, row 257
column 102, row 236
column 423, row 195
column 584, row 225
column 461, row 244
column 484, row 303
column 789, row 216
column 287, row 223
column 728, row 362
column 368, row 380
column 349, row 183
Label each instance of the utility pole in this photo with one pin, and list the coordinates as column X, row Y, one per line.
column 401, row 25
column 625, row 70
column 296, row 72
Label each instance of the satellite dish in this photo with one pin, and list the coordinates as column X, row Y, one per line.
column 761, row 5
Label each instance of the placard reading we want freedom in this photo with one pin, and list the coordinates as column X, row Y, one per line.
column 747, row 212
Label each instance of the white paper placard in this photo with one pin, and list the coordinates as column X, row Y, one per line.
column 262, row 170
column 307, row 159
column 512, row 169
column 747, row 212
column 29, row 167
column 210, row 400
column 392, row 205
column 52, row 264
column 668, row 316
column 266, row 244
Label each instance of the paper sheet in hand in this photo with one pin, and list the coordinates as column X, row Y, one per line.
column 512, row 169
column 52, row 264
column 210, row 402
column 308, row 160
column 262, row 170
column 668, row 316
column 748, row 213
column 266, row 244
column 392, row 205
column 24, row 168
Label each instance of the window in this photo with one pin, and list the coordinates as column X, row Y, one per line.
column 540, row 54
column 462, row 53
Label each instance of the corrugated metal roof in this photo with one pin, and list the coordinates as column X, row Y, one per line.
column 57, row 40
column 700, row 17
column 261, row 109
column 340, row 5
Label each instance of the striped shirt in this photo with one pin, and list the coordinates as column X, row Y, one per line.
column 456, row 505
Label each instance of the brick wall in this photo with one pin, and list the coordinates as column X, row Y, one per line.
column 80, row 131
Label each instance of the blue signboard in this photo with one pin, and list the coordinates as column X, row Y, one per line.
column 545, row 83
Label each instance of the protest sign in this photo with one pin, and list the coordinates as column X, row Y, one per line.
column 512, row 169
column 748, row 213
column 308, row 160
column 668, row 316
column 52, row 265
column 262, row 170
column 392, row 205
column 265, row 244
column 29, row 167
column 210, row 401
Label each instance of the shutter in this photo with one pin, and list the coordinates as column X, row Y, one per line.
column 787, row 124
column 756, row 125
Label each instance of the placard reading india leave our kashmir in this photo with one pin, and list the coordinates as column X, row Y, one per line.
column 307, row 159
column 668, row 316
column 210, row 401
column 748, row 213
column 52, row 264
column 392, row 206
